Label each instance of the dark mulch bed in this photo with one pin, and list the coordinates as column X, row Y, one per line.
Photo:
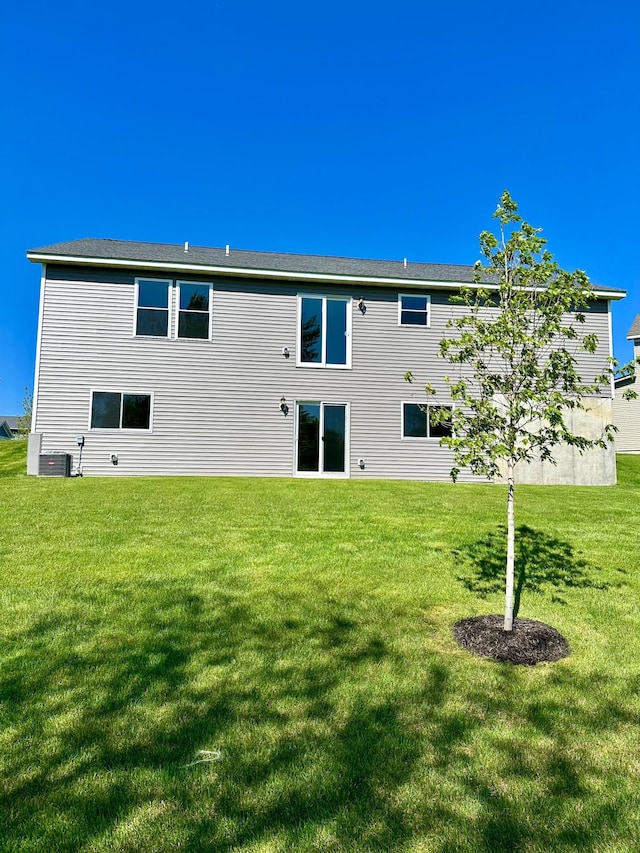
column 529, row 642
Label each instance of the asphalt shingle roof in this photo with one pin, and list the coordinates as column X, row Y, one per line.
column 201, row 256
column 634, row 331
column 241, row 258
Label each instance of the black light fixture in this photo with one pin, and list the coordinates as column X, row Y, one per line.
column 283, row 406
column 362, row 307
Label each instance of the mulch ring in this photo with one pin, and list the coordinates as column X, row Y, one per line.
column 530, row 642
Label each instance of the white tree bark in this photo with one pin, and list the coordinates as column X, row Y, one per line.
column 511, row 548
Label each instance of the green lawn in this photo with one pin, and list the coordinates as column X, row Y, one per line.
column 13, row 458
column 300, row 632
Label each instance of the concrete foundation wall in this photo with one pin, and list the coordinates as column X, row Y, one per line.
column 593, row 468
column 34, row 444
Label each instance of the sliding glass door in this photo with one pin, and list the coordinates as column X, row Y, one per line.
column 321, row 439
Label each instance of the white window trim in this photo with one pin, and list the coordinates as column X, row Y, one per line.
column 330, row 475
column 173, row 308
column 425, row 296
column 176, row 319
column 119, row 430
column 426, row 405
column 349, row 314
column 169, row 283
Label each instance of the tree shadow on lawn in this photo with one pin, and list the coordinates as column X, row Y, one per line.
column 100, row 714
column 328, row 738
column 542, row 563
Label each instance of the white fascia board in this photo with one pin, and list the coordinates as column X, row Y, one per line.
column 247, row 272
column 36, row 257
column 609, row 294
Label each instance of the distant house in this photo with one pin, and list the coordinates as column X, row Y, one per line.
column 9, row 426
column 626, row 413
column 168, row 359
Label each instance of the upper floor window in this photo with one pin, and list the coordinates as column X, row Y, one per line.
column 413, row 310
column 418, row 421
column 324, row 331
column 194, row 312
column 152, row 309
column 116, row 410
column 188, row 315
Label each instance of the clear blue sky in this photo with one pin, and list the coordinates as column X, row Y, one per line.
column 382, row 130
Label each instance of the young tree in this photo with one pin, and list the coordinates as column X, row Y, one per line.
column 24, row 420
column 515, row 348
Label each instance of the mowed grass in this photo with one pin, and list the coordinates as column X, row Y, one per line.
column 13, row 458
column 299, row 632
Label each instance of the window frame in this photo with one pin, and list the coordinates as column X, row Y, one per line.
column 121, row 429
column 169, row 282
column 173, row 308
column 178, row 310
column 322, row 364
column 426, row 311
column 425, row 407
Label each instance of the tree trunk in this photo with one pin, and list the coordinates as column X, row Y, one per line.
column 511, row 548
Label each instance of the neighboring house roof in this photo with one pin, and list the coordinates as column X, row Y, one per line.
column 634, row 331
column 632, row 335
column 11, row 421
column 265, row 264
column 5, row 429
column 625, row 381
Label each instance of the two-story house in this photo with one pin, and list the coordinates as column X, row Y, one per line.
column 170, row 359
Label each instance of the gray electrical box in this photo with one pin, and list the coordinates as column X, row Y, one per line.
column 54, row 465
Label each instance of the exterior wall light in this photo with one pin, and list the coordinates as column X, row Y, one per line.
column 283, row 406
column 361, row 306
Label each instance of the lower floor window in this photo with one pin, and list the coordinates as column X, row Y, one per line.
column 115, row 410
column 421, row 421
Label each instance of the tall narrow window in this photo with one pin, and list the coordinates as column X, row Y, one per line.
column 194, row 311
column 311, row 330
column 323, row 331
column 413, row 310
column 152, row 314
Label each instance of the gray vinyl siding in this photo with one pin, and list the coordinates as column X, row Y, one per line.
column 626, row 413
column 216, row 404
column 626, row 416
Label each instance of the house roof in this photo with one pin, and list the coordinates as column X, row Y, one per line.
column 5, row 429
column 624, row 381
column 634, row 331
column 169, row 256
column 10, row 420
